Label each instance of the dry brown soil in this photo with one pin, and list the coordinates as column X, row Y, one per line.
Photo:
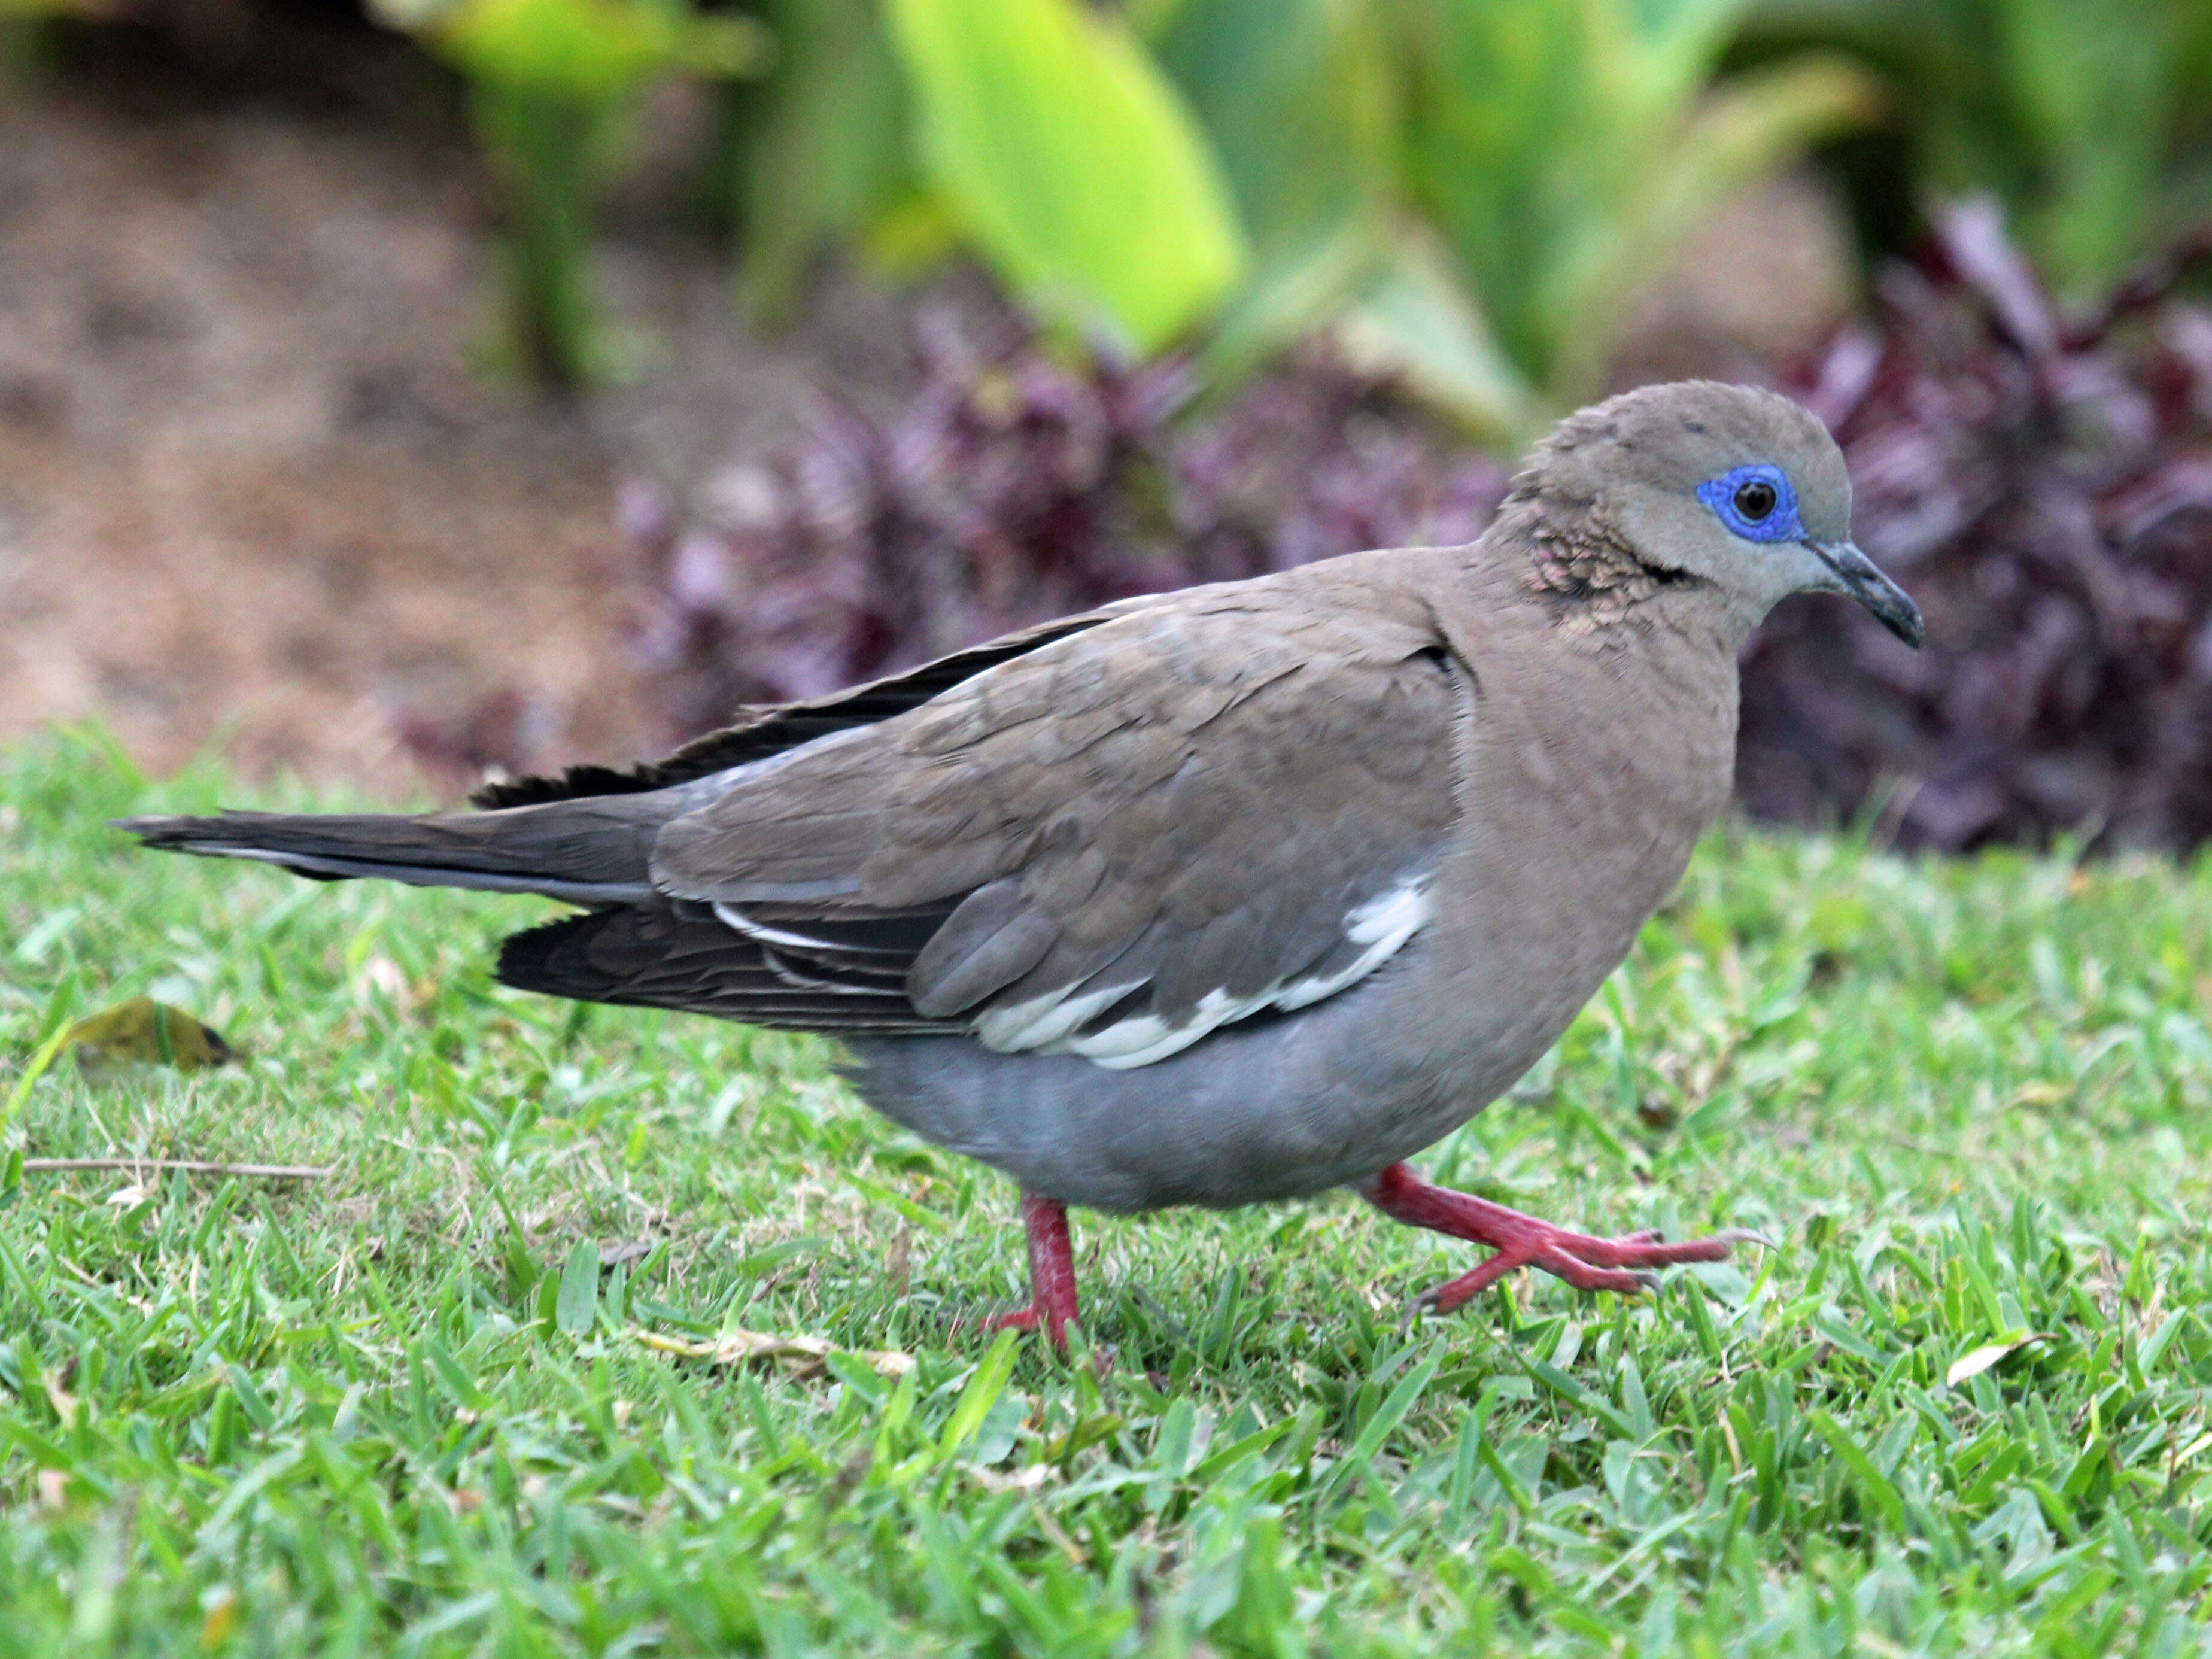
column 256, row 490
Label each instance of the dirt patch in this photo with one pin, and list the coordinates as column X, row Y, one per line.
column 254, row 491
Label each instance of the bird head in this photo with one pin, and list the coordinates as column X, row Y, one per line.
column 1737, row 487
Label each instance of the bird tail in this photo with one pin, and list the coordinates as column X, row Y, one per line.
column 593, row 851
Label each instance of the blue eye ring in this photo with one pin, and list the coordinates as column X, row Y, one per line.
column 1737, row 494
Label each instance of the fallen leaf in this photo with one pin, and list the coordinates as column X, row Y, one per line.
column 735, row 1347
column 898, row 1265
column 124, row 1198
column 222, row 1610
column 1975, row 1361
column 1657, row 1112
column 54, row 1488
column 58, row 1396
column 145, row 1032
column 383, row 975
column 624, row 1252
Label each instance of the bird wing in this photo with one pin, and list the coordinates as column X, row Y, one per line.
column 759, row 731
column 662, row 953
column 1189, row 813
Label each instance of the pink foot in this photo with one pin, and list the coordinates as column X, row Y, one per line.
column 1052, row 1273
column 1524, row 1241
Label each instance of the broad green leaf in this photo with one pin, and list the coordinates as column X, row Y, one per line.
column 2086, row 116
column 1676, row 44
column 595, row 51
column 2096, row 88
column 1413, row 319
column 824, row 144
column 1511, row 139
column 1072, row 164
column 1299, row 99
column 1563, row 147
column 1742, row 130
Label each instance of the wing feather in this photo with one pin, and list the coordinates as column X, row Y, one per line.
column 1109, row 844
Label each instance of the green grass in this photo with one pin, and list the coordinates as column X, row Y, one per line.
column 401, row 1410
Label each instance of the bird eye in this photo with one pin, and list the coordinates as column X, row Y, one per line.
column 1755, row 499
column 1755, row 502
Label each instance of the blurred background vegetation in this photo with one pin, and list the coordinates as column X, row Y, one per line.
column 1263, row 280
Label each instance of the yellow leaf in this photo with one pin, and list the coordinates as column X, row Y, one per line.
column 58, row 1396
column 222, row 1610
column 735, row 1347
column 150, row 1033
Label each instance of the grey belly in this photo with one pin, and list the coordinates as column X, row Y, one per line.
column 1267, row 1111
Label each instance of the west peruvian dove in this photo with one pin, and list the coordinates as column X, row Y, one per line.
column 1217, row 897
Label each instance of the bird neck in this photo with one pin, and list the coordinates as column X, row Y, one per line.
column 1579, row 566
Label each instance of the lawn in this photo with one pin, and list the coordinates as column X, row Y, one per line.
column 479, row 1390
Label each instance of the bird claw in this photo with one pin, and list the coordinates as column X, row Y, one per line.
column 1745, row 1235
column 1456, row 1293
column 1626, row 1264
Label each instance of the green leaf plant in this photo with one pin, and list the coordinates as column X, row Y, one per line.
column 1066, row 158
column 550, row 85
column 1552, row 153
column 2092, row 119
column 1466, row 190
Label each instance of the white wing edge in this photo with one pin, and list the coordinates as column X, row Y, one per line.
column 1043, row 1024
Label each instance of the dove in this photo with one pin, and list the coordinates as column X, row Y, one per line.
column 1213, row 898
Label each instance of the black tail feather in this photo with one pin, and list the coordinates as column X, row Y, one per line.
column 594, row 852
column 678, row 956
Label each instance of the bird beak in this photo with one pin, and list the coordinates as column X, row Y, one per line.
column 1855, row 574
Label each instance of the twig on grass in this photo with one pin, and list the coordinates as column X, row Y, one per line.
column 190, row 1166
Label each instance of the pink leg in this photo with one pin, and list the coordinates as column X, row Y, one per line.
column 1523, row 1241
column 1052, row 1272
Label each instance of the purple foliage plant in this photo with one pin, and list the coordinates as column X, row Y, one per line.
column 1014, row 486
column 2042, row 485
